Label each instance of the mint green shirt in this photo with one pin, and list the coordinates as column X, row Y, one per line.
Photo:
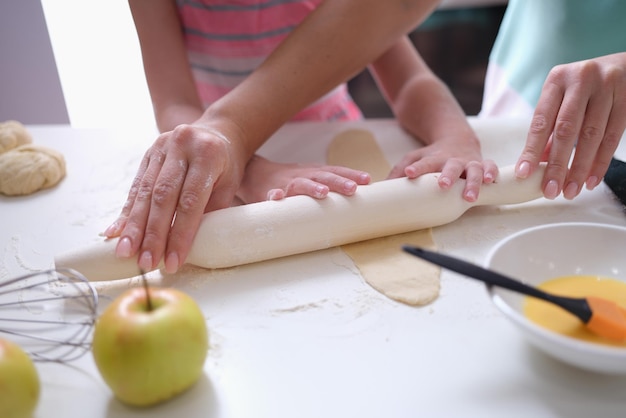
column 536, row 35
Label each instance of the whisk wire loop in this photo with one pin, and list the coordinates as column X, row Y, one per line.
column 50, row 314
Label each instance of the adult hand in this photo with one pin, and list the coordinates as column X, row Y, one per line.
column 268, row 180
column 188, row 171
column 454, row 160
column 581, row 111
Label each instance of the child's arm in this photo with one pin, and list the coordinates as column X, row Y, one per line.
column 269, row 180
column 426, row 108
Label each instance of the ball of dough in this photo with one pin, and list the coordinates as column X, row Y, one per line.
column 13, row 134
column 28, row 168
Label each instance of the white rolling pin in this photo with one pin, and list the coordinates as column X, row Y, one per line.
column 271, row 229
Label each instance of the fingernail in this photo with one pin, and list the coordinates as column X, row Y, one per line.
column 523, row 170
column 124, row 248
column 112, row 230
column 171, row 263
column 552, row 190
column 145, row 261
column 592, row 182
column 470, row 196
column 274, row 195
column 410, row 172
column 445, row 182
column 571, row 190
column 364, row 178
column 321, row 191
column 349, row 186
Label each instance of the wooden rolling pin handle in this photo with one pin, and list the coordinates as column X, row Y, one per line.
column 267, row 230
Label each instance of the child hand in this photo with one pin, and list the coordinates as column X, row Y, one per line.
column 268, row 180
column 454, row 161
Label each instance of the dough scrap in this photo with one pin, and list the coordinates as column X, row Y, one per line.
column 358, row 149
column 12, row 135
column 394, row 273
column 29, row 168
column 381, row 262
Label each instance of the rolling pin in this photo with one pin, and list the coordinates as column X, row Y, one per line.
column 271, row 229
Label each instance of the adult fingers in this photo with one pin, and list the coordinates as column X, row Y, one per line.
column 541, row 127
column 195, row 192
column 132, row 234
column 118, row 225
column 200, row 192
column 567, row 125
column 589, row 140
column 613, row 132
column 163, row 206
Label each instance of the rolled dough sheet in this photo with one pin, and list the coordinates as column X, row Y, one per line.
column 381, row 262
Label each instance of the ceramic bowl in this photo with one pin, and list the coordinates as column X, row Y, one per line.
column 544, row 252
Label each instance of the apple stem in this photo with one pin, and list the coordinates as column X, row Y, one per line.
column 145, row 286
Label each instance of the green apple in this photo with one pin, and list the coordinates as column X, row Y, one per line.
column 150, row 345
column 19, row 382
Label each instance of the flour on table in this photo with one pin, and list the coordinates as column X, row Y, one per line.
column 381, row 262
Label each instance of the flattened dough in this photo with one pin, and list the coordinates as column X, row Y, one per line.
column 381, row 262
column 394, row 273
column 358, row 149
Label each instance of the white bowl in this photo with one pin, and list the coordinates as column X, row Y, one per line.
column 544, row 252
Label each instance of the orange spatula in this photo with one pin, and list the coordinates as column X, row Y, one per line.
column 602, row 317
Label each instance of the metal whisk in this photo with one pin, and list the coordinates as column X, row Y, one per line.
column 50, row 314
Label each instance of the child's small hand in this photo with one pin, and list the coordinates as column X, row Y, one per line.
column 454, row 162
column 268, row 180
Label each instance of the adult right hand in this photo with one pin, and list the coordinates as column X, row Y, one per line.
column 188, row 171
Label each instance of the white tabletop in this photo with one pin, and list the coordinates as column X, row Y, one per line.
column 305, row 336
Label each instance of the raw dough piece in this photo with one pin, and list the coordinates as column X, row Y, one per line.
column 12, row 135
column 382, row 263
column 394, row 273
column 29, row 168
column 358, row 149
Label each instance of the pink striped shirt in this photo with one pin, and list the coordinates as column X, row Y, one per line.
column 228, row 39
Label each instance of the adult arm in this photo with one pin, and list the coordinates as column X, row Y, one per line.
column 198, row 166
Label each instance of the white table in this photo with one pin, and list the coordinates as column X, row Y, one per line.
column 305, row 336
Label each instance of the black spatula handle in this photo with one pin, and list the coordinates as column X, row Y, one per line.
column 577, row 306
